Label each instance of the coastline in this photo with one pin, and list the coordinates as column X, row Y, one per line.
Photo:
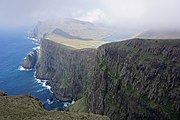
column 42, row 82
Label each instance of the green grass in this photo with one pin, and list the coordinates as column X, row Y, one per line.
column 75, row 43
column 25, row 107
column 79, row 106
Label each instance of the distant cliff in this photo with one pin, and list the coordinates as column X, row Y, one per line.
column 67, row 69
column 73, row 27
column 136, row 79
column 159, row 34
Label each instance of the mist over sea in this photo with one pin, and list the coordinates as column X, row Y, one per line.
column 14, row 46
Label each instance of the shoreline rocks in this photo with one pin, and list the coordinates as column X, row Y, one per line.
column 30, row 60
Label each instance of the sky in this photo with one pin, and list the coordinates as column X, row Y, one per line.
column 119, row 13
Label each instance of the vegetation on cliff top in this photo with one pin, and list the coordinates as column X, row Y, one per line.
column 75, row 43
column 26, row 107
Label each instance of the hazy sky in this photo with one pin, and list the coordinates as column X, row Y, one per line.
column 123, row 13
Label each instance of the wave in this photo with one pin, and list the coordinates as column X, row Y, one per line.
column 36, row 48
column 67, row 104
column 40, row 90
column 36, row 43
column 21, row 68
column 73, row 101
column 34, row 40
column 50, row 101
column 43, row 83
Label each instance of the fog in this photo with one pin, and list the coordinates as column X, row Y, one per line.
column 133, row 14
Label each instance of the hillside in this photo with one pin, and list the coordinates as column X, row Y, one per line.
column 73, row 27
column 159, row 34
column 74, row 43
column 25, row 107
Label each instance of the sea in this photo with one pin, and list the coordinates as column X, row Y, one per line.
column 14, row 79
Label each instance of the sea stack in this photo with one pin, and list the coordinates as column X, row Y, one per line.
column 30, row 60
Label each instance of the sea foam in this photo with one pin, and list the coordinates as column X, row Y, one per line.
column 21, row 68
column 49, row 101
column 36, row 48
column 43, row 83
column 34, row 41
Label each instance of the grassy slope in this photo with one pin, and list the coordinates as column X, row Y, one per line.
column 25, row 107
column 75, row 43
column 80, row 106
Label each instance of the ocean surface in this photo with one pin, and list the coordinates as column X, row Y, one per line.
column 14, row 46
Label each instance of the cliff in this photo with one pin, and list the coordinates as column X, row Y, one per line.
column 27, row 108
column 130, row 80
column 68, row 69
column 73, row 27
column 136, row 79
column 30, row 60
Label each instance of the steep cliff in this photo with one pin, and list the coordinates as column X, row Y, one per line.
column 136, row 79
column 133, row 79
column 30, row 60
column 67, row 69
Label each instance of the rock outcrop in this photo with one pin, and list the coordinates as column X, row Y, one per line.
column 136, row 79
column 67, row 69
column 30, row 60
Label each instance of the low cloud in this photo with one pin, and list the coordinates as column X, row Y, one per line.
column 95, row 15
column 135, row 14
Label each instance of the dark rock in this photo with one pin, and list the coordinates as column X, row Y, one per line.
column 3, row 93
column 30, row 60
column 137, row 79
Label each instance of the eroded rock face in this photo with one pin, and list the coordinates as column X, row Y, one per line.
column 68, row 70
column 30, row 60
column 137, row 79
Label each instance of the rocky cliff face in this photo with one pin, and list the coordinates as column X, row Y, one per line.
column 67, row 69
column 129, row 80
column 30, row 60
column 137, row 79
